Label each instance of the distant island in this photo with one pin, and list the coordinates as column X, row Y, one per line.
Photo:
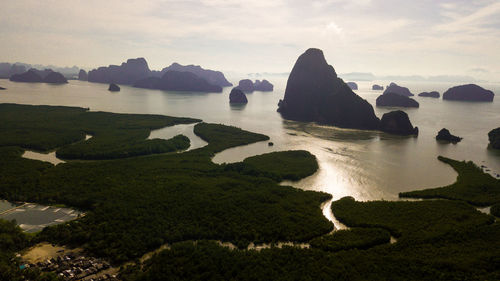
column 393, row 99
column 398, row 123
column 178, row 81
column 469, row 92
column 113, row 87
column 376, row 87
column 237, row 97
column 39, row 76
column 352, row 85
column 7, row 69
column 176, row 77
column 82, row 75
column 246, row 85
column 445, row 135
column 433, row 94
column 395, row 88
column 127, row 73
column 211, row 76
column 494, row 138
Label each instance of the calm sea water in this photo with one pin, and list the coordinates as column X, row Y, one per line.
column 364, row 164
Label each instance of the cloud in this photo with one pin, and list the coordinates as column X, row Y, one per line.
column 382, row 36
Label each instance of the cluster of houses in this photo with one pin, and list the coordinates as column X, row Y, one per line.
column 75, row 267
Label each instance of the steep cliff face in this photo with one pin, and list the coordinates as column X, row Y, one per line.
column 315, row 93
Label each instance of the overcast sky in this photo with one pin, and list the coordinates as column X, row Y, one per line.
column 398, row 37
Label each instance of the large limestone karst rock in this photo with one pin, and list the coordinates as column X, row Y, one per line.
column 470, row 92
column 397, row 123
column 178, row 81
column 237, row 97
column 82, row 75
column 55, row 78
column 315, row 93
column 395, row 88
column 393, row 99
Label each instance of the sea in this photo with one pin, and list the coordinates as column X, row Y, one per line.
column 367, row 165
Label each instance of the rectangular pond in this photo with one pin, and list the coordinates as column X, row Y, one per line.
column 33, row 217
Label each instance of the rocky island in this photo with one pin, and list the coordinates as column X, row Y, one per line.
column 433, row 94
column 29, row 76
column 82, row 75
column 113, row 87
column 211, row 76
column 7, row 69
column 314, row 93
column 494, row 138
column 127, row 73
column 178, row 81
column 395, row 88
column 393, row 99
column 237, row 97
column 39, row 76
column 55, row 78
column 445, row 135
column 397, row 123
column 469, row 92
column 377, row 88
column 352, row 85
column 263, row 86
column 246, row 85
column 176, row 77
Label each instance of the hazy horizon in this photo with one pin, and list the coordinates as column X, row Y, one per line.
column 398, row 38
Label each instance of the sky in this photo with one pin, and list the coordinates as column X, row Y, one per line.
column 385, row 37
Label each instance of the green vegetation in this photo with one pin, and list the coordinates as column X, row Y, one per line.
column 18, row 173
column 495, row 210
column 279, row 166
column 410, row 220
column 439, row 240
column 468, row 255
column 134, row 205
column 100, row 148
column 472, row 185
column 114, row 135
column 354, row 238
column 221, row 137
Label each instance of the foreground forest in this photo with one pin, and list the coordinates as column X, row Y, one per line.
column 134, row 205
